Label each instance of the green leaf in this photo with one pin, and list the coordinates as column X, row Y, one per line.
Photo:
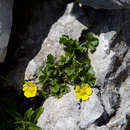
column 69, row 70
column 64, row 39
column 91, row 47
column 45, row 94
column 91, row 71
column 19, row 128
column 50, row 59
column 37, row 114
column 89, row 36
column 94, row 43
column 34, row 128
column 43, row 79
column 53, row 82
column 28, row 114
column 62, row 61
column 55, row 89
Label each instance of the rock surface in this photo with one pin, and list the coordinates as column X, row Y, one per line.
column 68, row 113
column 105, row 110
column 6, row 8
column 106, row 4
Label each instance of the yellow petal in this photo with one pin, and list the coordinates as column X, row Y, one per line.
column 83, row 85
column 85, row 97
column 27, row 94
column 25, row 87
column 31, row 84
column 78, row 96
column 77, row 89
column 82, row 91
column 87, row 85
column 30, row 89
column 89, row 91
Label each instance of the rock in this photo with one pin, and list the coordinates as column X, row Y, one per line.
column 91, row 110
column 106, row 4
column 68, row 113
column 60, row 113
column 104, row 56
column 109, row 108
column 6, row 7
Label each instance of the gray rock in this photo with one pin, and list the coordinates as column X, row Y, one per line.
column 106, row 4
column 104, row 56
column 6, row 7
column 68, row 114
column 108, row 109
column 91, row 110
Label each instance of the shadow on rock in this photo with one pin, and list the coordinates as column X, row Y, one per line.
column 31, row 23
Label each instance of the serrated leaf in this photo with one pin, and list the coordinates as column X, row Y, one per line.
column 62, row 61
column 50, row 59
column 94, row 43
column 91, row 71
column 64, row 39
column 91, row 47
column 43, row 79
column 44, row 94
column 69, row 70
column 89, row 36
column 55, row 89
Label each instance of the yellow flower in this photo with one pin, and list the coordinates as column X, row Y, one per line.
column 83, row 91
column 29, row 89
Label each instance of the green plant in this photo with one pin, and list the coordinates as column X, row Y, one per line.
column 28, row 121
column 74, row 67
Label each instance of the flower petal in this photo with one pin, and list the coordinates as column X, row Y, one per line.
column 77, row 89
column 27, row 94
column 85, row 97
column 83, row 85
column 30, row 89
column 31, row 84
column 89, row 91
column 25, row 87
column 78, row 96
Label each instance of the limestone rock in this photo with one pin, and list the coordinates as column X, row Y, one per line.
column 68, row 113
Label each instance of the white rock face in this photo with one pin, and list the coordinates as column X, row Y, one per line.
column 63, row 112
column 6, row 7
column 102, row 58
column 68, row 113
column 90, row 110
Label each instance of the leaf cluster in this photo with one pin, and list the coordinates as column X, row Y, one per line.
column 28, row 121
column 74, row 67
